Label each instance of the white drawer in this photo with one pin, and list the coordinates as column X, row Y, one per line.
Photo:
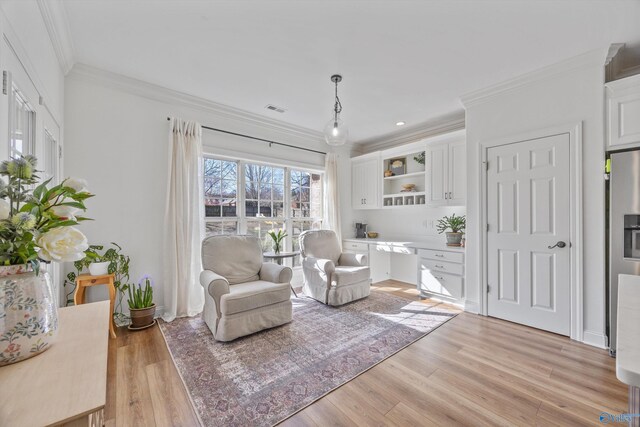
column 381, row 247
column 442, row 266
column 355, row 246
column 440, row 283
column 442, row 255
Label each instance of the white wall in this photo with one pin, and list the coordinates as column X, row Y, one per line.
column 116, row 135
column 413, row 223
column 565, row 94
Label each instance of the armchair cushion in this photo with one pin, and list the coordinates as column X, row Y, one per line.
column 320, row 244
column 354, row 260
column 275, row 273
column 347, row 275
column 251, row 295
column 236, row 258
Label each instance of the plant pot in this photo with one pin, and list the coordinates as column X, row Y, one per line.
column 99, row 268
column 454, row 239
column 28, row 314
column 142, row 317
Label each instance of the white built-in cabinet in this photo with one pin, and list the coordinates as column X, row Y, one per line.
column 446, row 179
column 365, row 179
column 440, row 181
column 623, row 113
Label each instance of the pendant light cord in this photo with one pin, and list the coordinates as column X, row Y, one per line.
column 337, row 108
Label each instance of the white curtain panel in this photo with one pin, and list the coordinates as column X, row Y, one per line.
column 331, row 196
column 184, row 221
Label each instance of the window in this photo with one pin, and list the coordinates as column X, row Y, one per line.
column 220, row 196
column 22, row 125
column 273, row 197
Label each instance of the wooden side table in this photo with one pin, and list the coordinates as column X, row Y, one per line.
column 86, row 280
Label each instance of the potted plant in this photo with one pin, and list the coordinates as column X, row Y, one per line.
column 36, row 223
column 117, row 264
column 98, row 265
column 141, row 306
column 454, row 223
column 277, row 236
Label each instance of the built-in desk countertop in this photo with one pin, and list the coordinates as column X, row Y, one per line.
column 438, row 245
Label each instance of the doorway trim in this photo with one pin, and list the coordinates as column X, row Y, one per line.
column 576, row 217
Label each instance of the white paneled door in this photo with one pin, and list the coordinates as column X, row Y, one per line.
column 528, row 215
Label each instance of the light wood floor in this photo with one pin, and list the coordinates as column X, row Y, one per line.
column 473, row 371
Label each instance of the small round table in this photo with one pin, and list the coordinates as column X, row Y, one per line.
column 278, row 257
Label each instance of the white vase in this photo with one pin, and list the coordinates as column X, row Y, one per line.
column 28, row 314
column 99, row 268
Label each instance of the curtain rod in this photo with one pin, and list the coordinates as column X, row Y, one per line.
column 260, row 139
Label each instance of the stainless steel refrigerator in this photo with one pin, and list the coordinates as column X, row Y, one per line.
column 623, row 228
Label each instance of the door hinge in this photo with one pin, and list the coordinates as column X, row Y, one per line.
column 487, row 227
column 5, row 82
column 488, row 288
column 59, row 152
column 486, row 165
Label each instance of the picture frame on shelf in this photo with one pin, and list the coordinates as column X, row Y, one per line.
column 398, row 165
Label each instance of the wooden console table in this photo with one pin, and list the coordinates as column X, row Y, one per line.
column 67, row 384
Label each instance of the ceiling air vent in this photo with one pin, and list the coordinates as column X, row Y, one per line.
column 274, row 108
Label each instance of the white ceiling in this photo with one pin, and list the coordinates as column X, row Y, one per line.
column 401, row 60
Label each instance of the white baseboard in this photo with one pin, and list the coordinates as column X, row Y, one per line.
column 471, row 307
column 596, row 339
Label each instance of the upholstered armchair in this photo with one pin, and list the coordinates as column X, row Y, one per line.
column 331, row 276
column 243, row 294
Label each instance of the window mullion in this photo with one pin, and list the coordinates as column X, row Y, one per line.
column 242, row 219
column 288, row 222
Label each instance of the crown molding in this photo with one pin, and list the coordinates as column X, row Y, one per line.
column 592, row 58
column 159, row 93
column 437, row 126
column 57, row 24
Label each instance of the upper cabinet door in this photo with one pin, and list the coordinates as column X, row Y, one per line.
column 364, row 183
column 457, row 183
column 623, row 113
column 436, row 176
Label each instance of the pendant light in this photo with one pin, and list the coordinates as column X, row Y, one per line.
column 336, row 132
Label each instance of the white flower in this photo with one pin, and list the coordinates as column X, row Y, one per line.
column 78, row 184
column 62, row 244
column 5, row 209
column 65, row 211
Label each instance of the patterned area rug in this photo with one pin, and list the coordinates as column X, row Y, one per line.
column 264, row 378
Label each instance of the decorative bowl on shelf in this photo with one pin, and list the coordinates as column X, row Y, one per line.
column 408, row 187
column 388, row 173
column 372, row 234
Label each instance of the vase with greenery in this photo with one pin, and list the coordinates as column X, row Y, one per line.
column 454, row 223
column 420, row 158
column 37, row 223
column 141, row 306
column 278, row 237
column 118, row 265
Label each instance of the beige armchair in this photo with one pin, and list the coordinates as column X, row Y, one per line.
column 330, row 276
column 243, row 294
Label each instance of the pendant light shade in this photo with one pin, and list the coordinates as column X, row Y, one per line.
column 336, row 132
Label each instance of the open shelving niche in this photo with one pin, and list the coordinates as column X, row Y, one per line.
column 392, row 194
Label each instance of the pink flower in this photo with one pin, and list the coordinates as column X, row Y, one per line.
column 12, row 348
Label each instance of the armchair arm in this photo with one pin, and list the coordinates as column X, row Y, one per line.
column 216, row 285
column 321, row 265
column 275, row 273
column 352, row 260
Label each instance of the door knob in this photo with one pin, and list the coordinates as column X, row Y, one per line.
column 560, row 244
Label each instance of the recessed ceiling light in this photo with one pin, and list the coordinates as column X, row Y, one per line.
column 400, row 123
